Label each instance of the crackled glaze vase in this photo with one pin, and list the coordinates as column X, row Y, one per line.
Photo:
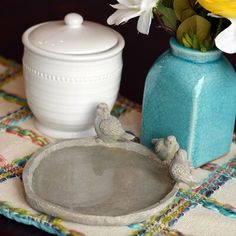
column 192, row 95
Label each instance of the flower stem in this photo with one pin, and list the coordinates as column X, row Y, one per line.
column 218, row 30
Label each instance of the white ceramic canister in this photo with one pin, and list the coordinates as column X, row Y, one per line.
column 69, row 67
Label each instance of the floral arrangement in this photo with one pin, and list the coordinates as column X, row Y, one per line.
column 197, row 24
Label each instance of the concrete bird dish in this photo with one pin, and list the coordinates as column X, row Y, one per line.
column 97, row 182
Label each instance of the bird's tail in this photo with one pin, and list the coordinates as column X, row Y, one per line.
column 127, row 136
column 190, row 184
column 193, row 184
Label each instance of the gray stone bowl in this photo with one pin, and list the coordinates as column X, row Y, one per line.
column 96, row 183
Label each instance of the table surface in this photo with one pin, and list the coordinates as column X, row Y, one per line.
column 12, row 228
column 208, row 210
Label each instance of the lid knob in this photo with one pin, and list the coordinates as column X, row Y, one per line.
column 73, row 20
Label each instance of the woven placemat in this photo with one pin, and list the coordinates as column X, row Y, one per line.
column 208, row 210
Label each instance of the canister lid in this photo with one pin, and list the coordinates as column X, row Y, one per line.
column 73, row 36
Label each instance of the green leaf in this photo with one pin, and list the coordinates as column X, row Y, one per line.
column 194, row 32
column 184, row 9
column 194, row 25
column 168, row 16
column 196, row 43
column 167, row 3
column 187, row 40
column 186, row 43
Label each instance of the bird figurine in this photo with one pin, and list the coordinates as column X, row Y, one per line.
column 165, row 148
column 180, row 169
column 225, row 40
column 108, row 127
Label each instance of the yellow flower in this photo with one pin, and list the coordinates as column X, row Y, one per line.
column 226, row 40
column 225, row 8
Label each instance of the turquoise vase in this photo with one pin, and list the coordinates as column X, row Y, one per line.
column 192, row 95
